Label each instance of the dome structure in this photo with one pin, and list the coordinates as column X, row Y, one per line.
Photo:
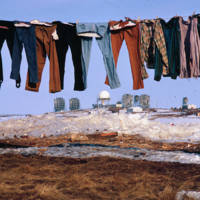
column 104, row 95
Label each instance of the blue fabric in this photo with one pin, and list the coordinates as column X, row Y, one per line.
column 104, row 43
column 26, row 36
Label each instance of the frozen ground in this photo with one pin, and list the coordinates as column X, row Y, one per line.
column 163, row 125
column 85, row 151
column 7, row 117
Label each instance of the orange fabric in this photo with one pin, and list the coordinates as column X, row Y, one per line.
column 45, row 44
column 132, row 37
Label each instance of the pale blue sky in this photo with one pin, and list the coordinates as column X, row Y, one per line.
column 165, row 93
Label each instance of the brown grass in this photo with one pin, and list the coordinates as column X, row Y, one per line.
column 49, row 178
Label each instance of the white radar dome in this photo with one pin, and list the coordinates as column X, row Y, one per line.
column 104, row 95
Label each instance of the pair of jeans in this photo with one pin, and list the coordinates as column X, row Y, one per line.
column 132, row 37
column 24, row 36
column 7, row 32
column 46, row 45
column 68, row 38
column 104, row 43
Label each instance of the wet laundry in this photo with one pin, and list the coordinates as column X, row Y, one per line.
column 46, row 46
column 7, row 32
column 170, row 48
column 24, row 36
column 152, row 37
column 102, row 34
column 189, row 48
column 132, row 37
column 68, row 38
column 171, row 31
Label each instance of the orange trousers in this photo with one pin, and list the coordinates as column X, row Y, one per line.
column 132, row 37
column 45, row 44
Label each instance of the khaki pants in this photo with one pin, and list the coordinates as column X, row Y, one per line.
column 46, row 45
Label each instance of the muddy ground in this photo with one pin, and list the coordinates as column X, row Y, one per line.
column 50, row 178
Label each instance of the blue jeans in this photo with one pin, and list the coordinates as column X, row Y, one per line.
column 104, row 43
column 26, row 36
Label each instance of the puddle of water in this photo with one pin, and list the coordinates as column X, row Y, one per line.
column 84, row 151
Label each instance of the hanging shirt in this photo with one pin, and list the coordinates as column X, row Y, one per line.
column 151, row 35
column 194, row 49
column 172, row 39
column 185, row 30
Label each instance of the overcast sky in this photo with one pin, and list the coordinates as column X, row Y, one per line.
column 166, row 93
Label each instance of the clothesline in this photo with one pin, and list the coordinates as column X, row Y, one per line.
column 136, row 18
column 167, row 18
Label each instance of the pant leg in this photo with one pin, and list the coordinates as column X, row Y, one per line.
column 2, row 39
column 41, row 58
column 10, row 35
column 117, row 38
column 10, row 40
column 16, row 55
column 106, row 49
column 86, row 43
column 29, row 41
column 50, row 47
column 132, row 38
column 158, row 65
column 75, row 46
column 61, row 47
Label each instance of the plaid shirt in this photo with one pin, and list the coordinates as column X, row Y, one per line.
column 151, row 34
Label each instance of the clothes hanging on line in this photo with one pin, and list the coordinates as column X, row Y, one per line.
column 152, row 37
column 189, row 48
column 132, row 37
column 69, row 38
column 104, row 42
column 7, row 32
column 46, row 46
column 171, row 49
column 24, row 36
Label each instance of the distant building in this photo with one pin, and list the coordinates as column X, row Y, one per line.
column 136, row 101
column 145, row 101
column 59, row 104
column 127, row 100
column 119, row 104
column 185, row 103
column 74, row 104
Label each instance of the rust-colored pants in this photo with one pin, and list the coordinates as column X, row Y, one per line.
column 132, row 38
column 46, row 45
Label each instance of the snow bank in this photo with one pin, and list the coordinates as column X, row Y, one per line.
column 169, row 129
